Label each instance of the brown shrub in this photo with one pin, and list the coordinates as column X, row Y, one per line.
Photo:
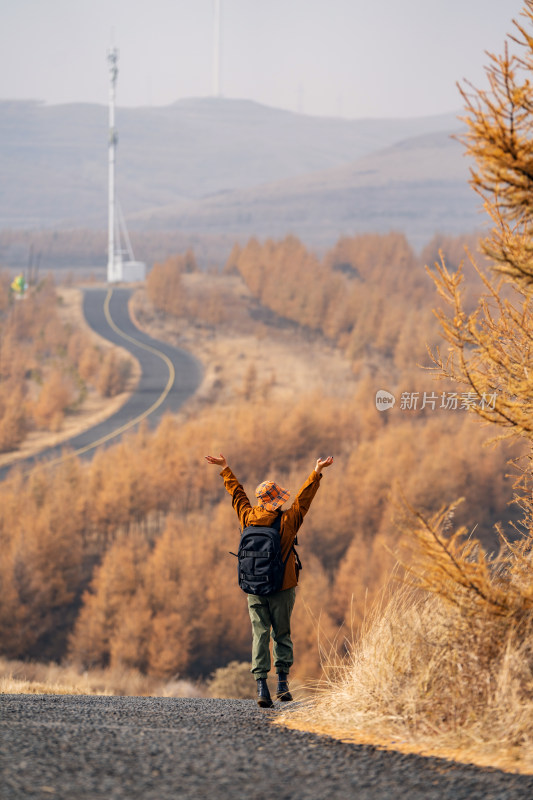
column 13, row 415
column 233, row 680
column 113, row 375
column 55, row 396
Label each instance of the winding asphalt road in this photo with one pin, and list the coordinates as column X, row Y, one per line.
column 169, row 376
column 149, row 748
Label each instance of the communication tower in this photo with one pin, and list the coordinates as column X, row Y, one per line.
column 117, row 268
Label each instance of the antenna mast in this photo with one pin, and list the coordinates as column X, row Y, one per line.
column 216, row 51
column 113, row 264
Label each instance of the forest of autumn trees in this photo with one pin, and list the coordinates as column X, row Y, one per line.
column 46, row 366
column 369, row 293
column 137, row 572
column 124, row 561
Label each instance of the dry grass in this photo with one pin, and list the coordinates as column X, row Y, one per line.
column 20, row 677
column 13, row 686
column 425, row 677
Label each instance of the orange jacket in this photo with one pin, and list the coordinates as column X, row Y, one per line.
column 290, row 519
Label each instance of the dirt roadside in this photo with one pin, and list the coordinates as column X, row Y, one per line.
column 245, row 350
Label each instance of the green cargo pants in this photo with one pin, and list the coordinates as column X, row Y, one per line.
column 272, row 613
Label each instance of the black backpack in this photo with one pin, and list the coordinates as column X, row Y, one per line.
column 260, row 563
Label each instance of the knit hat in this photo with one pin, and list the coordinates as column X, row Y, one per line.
column 270, row 495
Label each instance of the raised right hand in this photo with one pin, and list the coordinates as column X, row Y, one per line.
column 322, row 463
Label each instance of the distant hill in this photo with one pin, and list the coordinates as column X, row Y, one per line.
column 221, row 166
column 418, row 186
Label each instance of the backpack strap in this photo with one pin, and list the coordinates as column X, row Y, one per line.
column 293, row 549
column 298, row 562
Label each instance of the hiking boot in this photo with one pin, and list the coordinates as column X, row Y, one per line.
column 263, row 695
column 282, row 692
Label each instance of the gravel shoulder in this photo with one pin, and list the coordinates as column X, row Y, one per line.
column 136, row 747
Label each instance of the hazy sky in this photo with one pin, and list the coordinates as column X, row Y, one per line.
column 350, row 58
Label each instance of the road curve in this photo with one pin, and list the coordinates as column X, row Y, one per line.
column 169, row 376
column 94, row 748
